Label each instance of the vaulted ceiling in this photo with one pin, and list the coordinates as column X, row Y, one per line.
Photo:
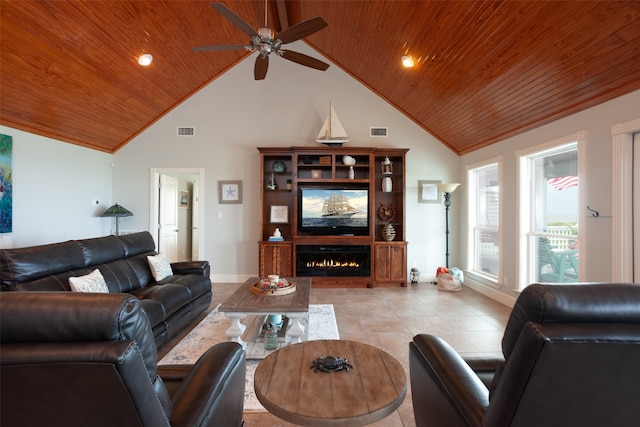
column 486, row 70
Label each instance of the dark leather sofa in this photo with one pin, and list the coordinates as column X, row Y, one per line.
column 571, row 358
column 171, row 304
column 90, row 360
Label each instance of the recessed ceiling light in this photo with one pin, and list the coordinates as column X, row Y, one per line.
column 407, row 61
column 145, row 59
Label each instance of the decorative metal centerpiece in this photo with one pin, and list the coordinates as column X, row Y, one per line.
column 331, row 363
column 273, row 285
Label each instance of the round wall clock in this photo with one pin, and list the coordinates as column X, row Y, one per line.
column 279, row 166
column 386, row 212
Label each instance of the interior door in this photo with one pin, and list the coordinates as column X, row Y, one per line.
column 168, row 233
column 195, row 243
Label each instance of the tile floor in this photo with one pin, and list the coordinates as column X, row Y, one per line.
column 388, row 318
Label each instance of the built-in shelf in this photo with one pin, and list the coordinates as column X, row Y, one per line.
column 309, row 166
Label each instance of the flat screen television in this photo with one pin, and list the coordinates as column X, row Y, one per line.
column 333, row 210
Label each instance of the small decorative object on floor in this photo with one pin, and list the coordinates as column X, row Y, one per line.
column 388, row 232
column 414, row 274
column 331, row 363
column 271, row 337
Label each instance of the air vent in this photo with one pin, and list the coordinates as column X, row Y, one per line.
column 186, row 131
column 379, row 132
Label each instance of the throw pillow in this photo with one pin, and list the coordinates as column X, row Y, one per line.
column 160, row 267
column 92, row 282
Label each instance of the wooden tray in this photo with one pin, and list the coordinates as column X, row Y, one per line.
column 257, row 290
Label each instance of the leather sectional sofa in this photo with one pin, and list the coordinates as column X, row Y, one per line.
column 170, row 304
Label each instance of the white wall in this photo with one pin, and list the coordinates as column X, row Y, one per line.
column 235, row 114
column 596, row 184
column 54, row 184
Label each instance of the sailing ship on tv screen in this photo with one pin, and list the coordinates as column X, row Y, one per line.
column 343, row 210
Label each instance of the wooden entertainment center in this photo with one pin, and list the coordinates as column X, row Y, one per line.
column 377, row 259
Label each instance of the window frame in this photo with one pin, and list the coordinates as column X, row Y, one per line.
column 472, row 227
column 525, row 255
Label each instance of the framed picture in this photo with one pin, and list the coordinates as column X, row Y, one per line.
column 428, row 191
column 183, row 199
column 279, row 214
column 230, row 192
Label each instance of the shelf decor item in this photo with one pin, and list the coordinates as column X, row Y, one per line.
column 387, row 184
column 388, row 232
column 279, row 166
column 387, row 166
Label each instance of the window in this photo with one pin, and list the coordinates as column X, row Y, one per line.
column 549, row 206
column 484, row 219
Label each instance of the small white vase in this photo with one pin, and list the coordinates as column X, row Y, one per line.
column 387, row 184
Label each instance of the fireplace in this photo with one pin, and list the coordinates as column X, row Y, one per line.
column 333, row 260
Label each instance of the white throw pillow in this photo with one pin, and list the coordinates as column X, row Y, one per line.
column 92, row 282
column 160, row 267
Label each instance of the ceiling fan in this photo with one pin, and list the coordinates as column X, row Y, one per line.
column 265, row 43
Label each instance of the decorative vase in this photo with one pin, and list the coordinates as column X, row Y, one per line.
column 388, row 232
column 387, row 184
column 351, row 172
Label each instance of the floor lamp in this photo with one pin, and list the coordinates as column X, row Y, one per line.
column 116, row 211
column 447, row 189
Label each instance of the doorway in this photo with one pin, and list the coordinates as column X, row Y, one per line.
column 176, row 206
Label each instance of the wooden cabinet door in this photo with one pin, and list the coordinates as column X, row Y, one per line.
column 390, row 263
column 276, row 258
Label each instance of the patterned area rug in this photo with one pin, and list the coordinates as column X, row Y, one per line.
column 319, row 324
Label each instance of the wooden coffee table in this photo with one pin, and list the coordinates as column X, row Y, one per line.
column 289, row 389
column 243, row 302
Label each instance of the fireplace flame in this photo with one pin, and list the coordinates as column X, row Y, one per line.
column 331, row 263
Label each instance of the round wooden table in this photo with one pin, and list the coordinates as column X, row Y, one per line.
column 287, row 387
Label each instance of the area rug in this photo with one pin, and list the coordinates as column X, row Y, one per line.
column 319, row 324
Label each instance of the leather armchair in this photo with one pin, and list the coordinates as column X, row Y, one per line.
column 571, row 358
column 90, row 359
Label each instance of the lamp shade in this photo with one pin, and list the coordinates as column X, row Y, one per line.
column 117, row 211
column 448, row 188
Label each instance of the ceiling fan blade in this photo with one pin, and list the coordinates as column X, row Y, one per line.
column 305, row 60
column 218, row 47
column 301, row 30
column 234, row 19
column 260, row 68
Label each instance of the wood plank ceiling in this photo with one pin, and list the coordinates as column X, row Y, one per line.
column 485, row 70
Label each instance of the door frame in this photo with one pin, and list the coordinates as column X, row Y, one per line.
column 622, row 194
column 154, row 176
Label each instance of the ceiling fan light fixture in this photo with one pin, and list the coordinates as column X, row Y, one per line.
column 407, row 61
column 145, row 59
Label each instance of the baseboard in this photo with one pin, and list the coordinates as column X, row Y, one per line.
column 491, row 293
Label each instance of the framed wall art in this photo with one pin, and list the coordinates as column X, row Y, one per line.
column 229, row 192
column 279, row 214
column 428, row 191
column 183, row 199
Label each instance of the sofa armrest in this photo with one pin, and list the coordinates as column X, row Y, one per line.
column 485, row 367
column 212, row 392
column 444, row 388
column 201, row 268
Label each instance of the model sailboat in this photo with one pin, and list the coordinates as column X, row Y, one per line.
column 332, row 133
